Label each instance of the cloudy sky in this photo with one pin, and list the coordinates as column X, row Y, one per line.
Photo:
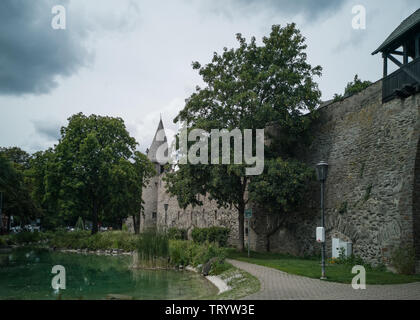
column 132, row 58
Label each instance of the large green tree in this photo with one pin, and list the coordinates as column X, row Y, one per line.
column 17, row 156
column 45, row 187
column 89, row 149
column 279, row 192
column 246, row 88
column 16, row 198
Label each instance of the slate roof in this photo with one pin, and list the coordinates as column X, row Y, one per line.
column 158, row 140
column 408, row 24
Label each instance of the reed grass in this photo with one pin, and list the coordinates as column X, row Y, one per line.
column 153, row 250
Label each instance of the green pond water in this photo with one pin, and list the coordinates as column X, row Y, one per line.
column 26, row 274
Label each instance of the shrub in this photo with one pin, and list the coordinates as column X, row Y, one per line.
column 100, row 241
column 219, row 267
column 202, row 253
column 207, row 251
column 403, row 259
column 352, row 88
column 352, row 260
column 217, row 235
column 27, row 237
column 179, row 252
column 177, row 234
column 192, row 253
column 199, row 235
column 69, row 240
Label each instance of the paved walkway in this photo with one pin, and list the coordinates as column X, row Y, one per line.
column 278, row 285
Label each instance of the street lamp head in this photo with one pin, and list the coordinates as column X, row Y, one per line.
column 166, row 206
column 322, row 171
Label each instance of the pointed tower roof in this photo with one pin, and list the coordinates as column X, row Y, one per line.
column 158, row 140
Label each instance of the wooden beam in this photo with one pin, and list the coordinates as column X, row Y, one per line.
column 405, row 51
column 394, row 60
column 398, row 53
column 385, row 64
column 406, row 70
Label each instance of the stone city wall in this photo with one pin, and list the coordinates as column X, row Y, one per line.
column 371, row 149
column 204, row 216
column 372, row 189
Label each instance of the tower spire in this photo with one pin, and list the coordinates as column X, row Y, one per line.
column 158, row 140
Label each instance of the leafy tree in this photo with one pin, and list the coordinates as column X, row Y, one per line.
column 89, row 147
column 352, row 88
column 129, row 179
column 280, row 190
column 92, row 174
column 16, row 199
column 18, row 156
column 246, row 88
column 282, row 186
column 45, row 181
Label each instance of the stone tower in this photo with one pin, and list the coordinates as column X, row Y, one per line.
column 156, row 153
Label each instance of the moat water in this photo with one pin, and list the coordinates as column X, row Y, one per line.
column 26, row 274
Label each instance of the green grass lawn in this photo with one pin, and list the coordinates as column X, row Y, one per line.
column 311, row 267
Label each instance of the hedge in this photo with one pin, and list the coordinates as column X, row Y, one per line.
column 177, row 234
column 217, row 235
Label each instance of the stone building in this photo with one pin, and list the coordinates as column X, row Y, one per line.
column 371, row 142
column 156, row 199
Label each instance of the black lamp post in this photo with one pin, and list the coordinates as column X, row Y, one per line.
column 166, row 213
column 322, row 172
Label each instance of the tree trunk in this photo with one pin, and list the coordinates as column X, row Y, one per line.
column 241, row 220
column 95, row 217
column 277, row 226
column 136, row 223
column 138, row 219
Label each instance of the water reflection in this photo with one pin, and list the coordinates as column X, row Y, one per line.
column 26, row 274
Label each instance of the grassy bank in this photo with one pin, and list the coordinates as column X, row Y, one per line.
column 311, row 267
column 155, row 250
column 74, row 240
column 184, row 253
column 242, row 283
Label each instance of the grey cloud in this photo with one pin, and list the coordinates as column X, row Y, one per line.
column 311, row 9
column 32, row 53
column 356, row 38
column 48, row 129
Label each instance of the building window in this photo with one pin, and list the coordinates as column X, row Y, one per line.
column 154, row 215
column 246, row 232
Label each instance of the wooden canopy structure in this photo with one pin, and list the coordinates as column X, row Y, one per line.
column 406, row 80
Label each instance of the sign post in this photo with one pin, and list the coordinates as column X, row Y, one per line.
column 248, row 216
